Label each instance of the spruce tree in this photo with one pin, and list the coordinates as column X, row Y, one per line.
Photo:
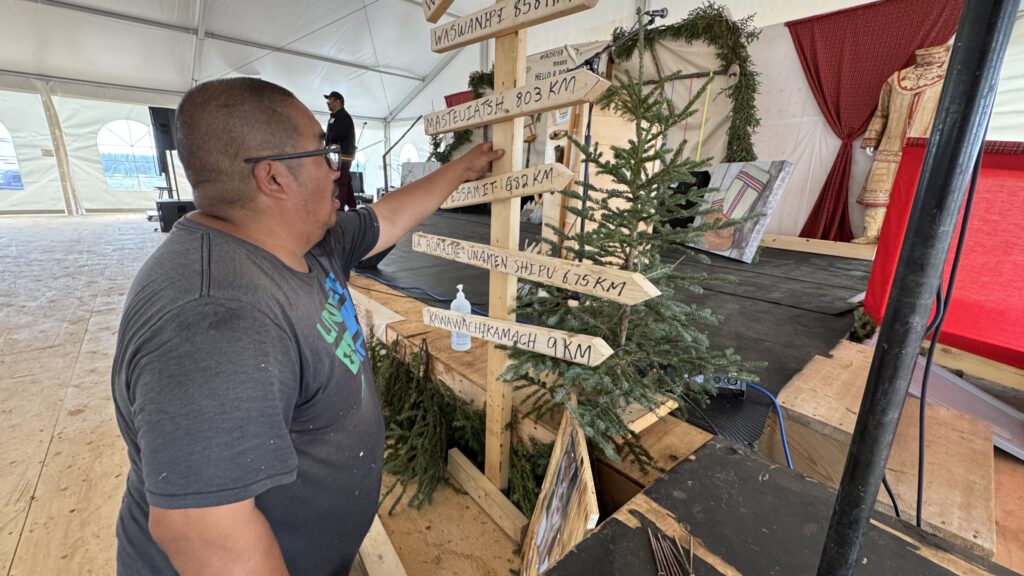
column 660, row 345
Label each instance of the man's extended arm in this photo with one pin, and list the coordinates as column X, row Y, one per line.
column 402, row 210
column 229, row 540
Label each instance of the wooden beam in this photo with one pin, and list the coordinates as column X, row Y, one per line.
column 526, row 100
column 498, row 507
column 433, row 9
column 378, row 554
column 826, row 247
column 503, row 18
column 603, row 281
column 533, row 180
column 509, row 72
column 974, row 365
column 577, row 348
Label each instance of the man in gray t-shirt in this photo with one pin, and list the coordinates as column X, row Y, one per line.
column 241, row 380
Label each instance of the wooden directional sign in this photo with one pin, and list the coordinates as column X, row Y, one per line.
column 577, row 348
column 500, row 19
column 611, row 283
column 433, row 9
column 556, row 92
column 533, row 180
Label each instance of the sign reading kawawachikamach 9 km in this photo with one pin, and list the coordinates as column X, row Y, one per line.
column 501, row 19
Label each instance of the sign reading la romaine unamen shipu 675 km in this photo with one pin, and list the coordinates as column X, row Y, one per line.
column 501, row 19
column 533, row 180
column 576, row 348
column 556, row 92
column 603, row 281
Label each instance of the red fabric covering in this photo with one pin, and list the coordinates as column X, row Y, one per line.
column 846, row 57
column 458, row 98
column 986, row 316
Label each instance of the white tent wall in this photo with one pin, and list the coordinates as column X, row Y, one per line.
column 23, row 116
column 1008, row 114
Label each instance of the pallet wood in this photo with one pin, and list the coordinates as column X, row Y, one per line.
column 602, row 281
column 504, row 513
column 577, row 348
column 504, row 18
column 975, row 365
column 826, row 247
column 526, row 100
column 1009, row 473
column 434, row 9
column 533, row 180
column 378, row 555
column 567, row 505
column 452, row 536
column 821, row 404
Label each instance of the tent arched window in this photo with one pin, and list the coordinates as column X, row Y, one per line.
column 10, row 171
column 409, row 153
column 128, row 156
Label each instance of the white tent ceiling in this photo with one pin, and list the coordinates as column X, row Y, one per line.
column 373, row 51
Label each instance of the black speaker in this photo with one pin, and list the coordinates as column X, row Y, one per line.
column 164, row 134
column 170, row 211
column 357, row 183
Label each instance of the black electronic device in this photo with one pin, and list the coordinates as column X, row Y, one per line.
column 170, row 211
column 164, row 134
column 357, row 183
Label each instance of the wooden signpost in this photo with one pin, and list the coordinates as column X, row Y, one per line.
column 577, row 348
column 606, row 282
column 433, row 9
column 504, row 18
column 533, row 180
column 535, row 98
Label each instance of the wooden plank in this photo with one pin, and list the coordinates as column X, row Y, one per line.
column 577, row 348
column 821, row 405
column 602, row 281
column 826, row 247
column 525, row 100
column 567, row 505
column 452, row 536
column 377, row 316
column 495, row 504
column 533, row 180
column 1009, row 479
column 669, row 440
column 978, row 366
column 377, row 553
column 509, row 72
column 504, row 18
column 434, row 9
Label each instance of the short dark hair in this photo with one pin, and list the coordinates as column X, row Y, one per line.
column 223, row 122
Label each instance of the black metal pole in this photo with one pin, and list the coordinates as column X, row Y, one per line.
column 959, row 128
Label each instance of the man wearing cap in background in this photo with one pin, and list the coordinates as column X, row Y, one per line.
column 342, row 132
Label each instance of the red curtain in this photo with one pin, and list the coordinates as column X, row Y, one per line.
column 846, row 57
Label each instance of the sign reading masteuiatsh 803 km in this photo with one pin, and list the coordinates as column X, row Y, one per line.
column 533, row 180
column 500, row 19
column 555, row 92
column 577, row 348
column 606, row 282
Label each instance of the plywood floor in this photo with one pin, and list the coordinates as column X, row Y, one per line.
column 62, row 462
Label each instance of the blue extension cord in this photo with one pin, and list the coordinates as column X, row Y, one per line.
column 782, row 423
column 431, row 295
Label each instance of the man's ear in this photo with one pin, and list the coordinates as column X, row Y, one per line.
column 272, row 179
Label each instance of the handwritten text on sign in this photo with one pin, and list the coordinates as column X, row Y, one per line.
column 611, row 283
column 501, row 19
column 556, row 92
column 577, row 348
column 533, row 180
column 432, row 9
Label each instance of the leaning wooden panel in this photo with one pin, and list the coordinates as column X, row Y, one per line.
column 534, row 98
column 578, row 348
column 433, row 9
column 378, row 554
column 500, row 19
column 567, row 506
column 610, row 283
column 534, row 180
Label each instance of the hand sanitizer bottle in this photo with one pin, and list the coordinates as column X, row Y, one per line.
column 460, row 341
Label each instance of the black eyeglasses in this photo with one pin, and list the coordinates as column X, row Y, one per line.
column 332, row 155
